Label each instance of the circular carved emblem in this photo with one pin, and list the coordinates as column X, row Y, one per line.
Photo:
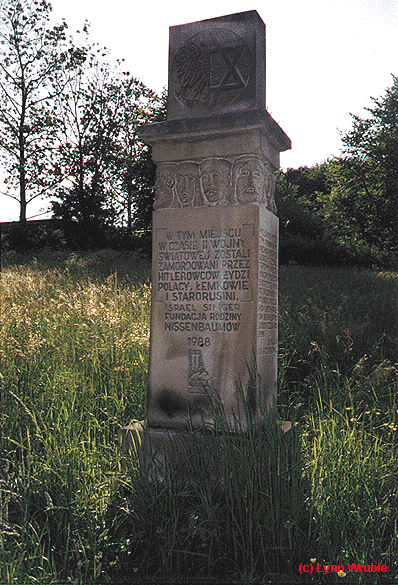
column 211, row 69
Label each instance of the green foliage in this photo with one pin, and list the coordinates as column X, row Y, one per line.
column 343, row 316
column 353, row 484
column 304, row 235
column 73, row 362
column 36, row 235
column 69, row 125
column 134, row 164
column 363, row 202
column 108, row 171
column 310, row 183
column 338, row 344
column 233, row 509
column 344, row 211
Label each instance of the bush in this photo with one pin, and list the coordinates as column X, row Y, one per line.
column 33, row 236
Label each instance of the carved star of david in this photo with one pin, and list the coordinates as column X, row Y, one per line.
column 232, row 78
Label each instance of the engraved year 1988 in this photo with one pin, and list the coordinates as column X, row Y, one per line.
column 199, row 341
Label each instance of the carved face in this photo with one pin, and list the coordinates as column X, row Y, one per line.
column 250, row 181
column 186, row 183
column 165, row 180
column 215, row 180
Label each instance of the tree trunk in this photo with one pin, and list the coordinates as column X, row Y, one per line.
column 22, row 176
column 129, row 206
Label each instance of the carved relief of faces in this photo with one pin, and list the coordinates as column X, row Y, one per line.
column 164, row 186
column 249, row 180
column 215, row 181
column 186, row 184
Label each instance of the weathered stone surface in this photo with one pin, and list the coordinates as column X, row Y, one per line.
column 228, row 135
column 161, row 451
column 215, row 181
column 214, row 314
column 215, row 232
column 217, row 66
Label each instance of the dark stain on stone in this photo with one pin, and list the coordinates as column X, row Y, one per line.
column 172, row 404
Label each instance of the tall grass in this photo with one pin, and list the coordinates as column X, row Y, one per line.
column 229, row 508
column 339, row 376
column 74, row 352
column 73, row 370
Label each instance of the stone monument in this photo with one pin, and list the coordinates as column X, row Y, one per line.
column 214, row 328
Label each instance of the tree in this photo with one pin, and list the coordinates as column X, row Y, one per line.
column 106, row 169
column 310, row 184
column 30, row 55
column 136, row 194
column 87, row 127
column 363, row 203
column 304, row 236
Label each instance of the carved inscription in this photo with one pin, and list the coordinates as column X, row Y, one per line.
column 203, row 280
column 211, row 68
column 203, row 276
column 268, row 292
column 214, row 311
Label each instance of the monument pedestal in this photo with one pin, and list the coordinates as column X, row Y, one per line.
column 163, row 451
column 213, row 345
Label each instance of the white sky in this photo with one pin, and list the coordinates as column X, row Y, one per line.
column 325, row 59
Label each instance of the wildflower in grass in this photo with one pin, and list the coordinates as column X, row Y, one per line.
column 314, row 347
column 348, row 408
column 342, row 574
column 348, row 337
column 110, row 280
column 313, row 560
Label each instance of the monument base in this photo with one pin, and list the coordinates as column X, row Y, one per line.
column 162, row 451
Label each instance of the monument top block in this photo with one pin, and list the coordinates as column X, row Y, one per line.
column 217, row 66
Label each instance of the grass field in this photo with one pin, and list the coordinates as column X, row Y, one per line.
column 74, row 337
